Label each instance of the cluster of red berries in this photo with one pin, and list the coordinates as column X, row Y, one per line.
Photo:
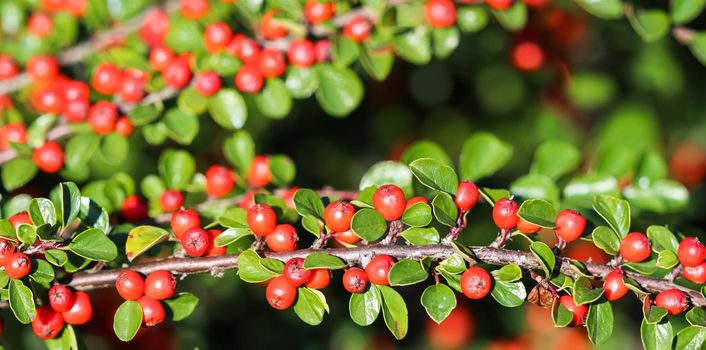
column 281, row 291
column 16, row 264
column 185, row 224
column 262, row 221
column 65, row 307
column 692, row 253
column 76, row 8
column 159, row 285
column 568, row 225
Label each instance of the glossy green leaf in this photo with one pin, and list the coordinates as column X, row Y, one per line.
column 142, row 238
column 127, row 320
column 307, row 202
column 508, row 273
column 599, row 322
column 691, row 338
column 80, row 149
column 581, row 190
column 435, row 175
column 615, row 211
column 228, row 109
column 340, row 90
column 561, row 316
column 41, row 271
column 472, row 18
column 421, row 235
column 649, row 24
column 182, row 127
column 176, row 167
column 535, row 186
column 656, row 336
column 377, row 63
column 605, row 238
column 696, row 316
column 445, row 210
column 482, row 155
column 606, row 9
column 414, row 46
column 509, row 294
column 684, row 11
column 394, row 311
column 231, row 236
column 425, row 149
column 17, row 172
column 555, row 159
column 407, row 272
column 250, row 269
column 27, row 234
column 418, row 215
column 301, row 82
column 239, row 150
column 182, row 305
column 538, row 212
column 310, row 306
column 364, row 308
column 388, row 172
column 439, row 300
column 21, row 301
column 584, row 292
column 368, row 224
column 93, row 244
column 274, row 100
column 544, row 255
column 323, row 261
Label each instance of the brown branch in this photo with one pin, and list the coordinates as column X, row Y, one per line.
column 488, row 255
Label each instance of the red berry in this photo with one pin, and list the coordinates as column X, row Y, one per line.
column 171, row 200
column 579, row 311
column 49, row 157
column 183, row 220
column 102, row 117
column 378, row 269
column 130, row 285
column 6, row 251
column 8, row 67
column 347, row 237
column 52, row 5
column 124, row 126
column 42, row 68
column 320, row 279
column 60, row 298
column 569, row 225
column 217, row 36
column 269, row 28
column 466, row 196
column 357, row 29
column 301, row 53
column 614, row 286
column 195, row 241
column 527, row 56
column 499, row 4
column 248, row 200
column 212, row 249
column 160, row 285
column 40, row 25
column 12, row 132
column 691, row 251
column 673, row 300
column 19, row 219
column 131, row 89
column 81, row 310
column 245, row 48
column 47, row 323
column 160, row 58
column 318, row 11
column 106, row 79
column 288, row 196
column 249, row 79
column 695, row 274
column 338, row 216
column 134, row 209
column 75, row 90
column 414, row 200
column 194, row 9
column 208, row 83
column 76, row 8
column 322, row 49
column 152, row 311
column 219, row 181
column 76, row 111
column 282, row 239
column 505, row 213
column 527, row 227
column 262, row 219
column 389, row 201
column 295, row 273
column 440, row 13
column 635, row 247
column 49, row 101
column 177, row 73
column 154, row 28
column 259, row 174
column 476, row 283
column 280, row 294
column 355, row 280
column 272, row 63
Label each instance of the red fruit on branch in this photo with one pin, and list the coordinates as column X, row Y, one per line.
column 691, row 252
column 527, row 56
column 614, row 286
column 338, row 216
column 270, row 28
column 8, row 67
column 160, row 285
column 579, row 311
column 14, row 132
column 695, row 274
column 124, row 126
column 259, row 174
column 317, row 12
column 357, row 29
column 282, row 239
column 466, row 196
column 389, row 201
column 505, row 213
column 154, row 28
column 183, row 220
column 301, row 53
column 261, row 219
column 102, row 117
column 527, row 227
column 440, row 13
column 49, row 157
column 177, row 73
column 60, row 298
column 47, row 323
column 217, row 36
column 152, row 311
column 160, row 57
column 414, row 200
column 569, row 225
column 40, row 25
column 635, row 247
column 194, row 9
column 476, row 283
column 131, row 89
column 322, row 50
column 76, row 111
column 347, row 237
column 249, row 79
column 499, row 5
column 295, row 273
column 195, row 241
column 219, row 181
column 280, row 294
column 171, row 200
column 42, row 68
column 6, row 251
column 673, row 300
column 355, row 280
column 213, row 250
column 272, row 63
column 19, row 219
column 130, row 285
column 320, row 279
column 378, row 269
column 81, row 310
column 246, row 49
column 208, row 83
column 49, row 100
column 106, row 78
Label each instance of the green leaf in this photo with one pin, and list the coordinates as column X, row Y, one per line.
column 454, row 264
column 239, row 150
column 6, row 230
column 36, row 133
column 439, row 300
column 301, row 82
column 191, row 103
column 615, row 211
column 425, row 149
column 606, row 9
column 176, row 167
column 421, row 235
column 691, row 338
column 340, row 90
column 184, row 35
column 228, row 109
column 435, row 175
column 142, row 238
column 377, row 63
column 27, row 234
column 323, row 261
column 584, row 292
column 17, row 172
column 344, row 51
column 234, row 218
column 272, row 265
column 555, row 159
column 581, row 190
column 514, row 18
column 93, row 244
column 407, row 272
column 414, row 46
column 445, row 209
column 21, row 301
column 684, row 11
column 605, row 238
column 394, row 311
column 656, row 336
column 472, row 18
column 41, row 271
column 538, row 212
column 599, row 322
column 364, row 308
column 182, row 305
column 508, row 273
column 388, row 172
column 310, row 306
column 92, row 215
column 535, row 186
column 545, row 256
column 231, row 236
column 653, row 314
column 561, row 316
column 70, row 199
column 307, row 202
column 661, row 238
column 667, row 259
column 143, row 115
column 482, row 155
column 313, row 225
column 445, row 41
column 56, row 257
column 418, row 215
column 182, row 127
column 65, row 341
column 274, row 100
column 250, row 269
column 492, row 195
column 368, row 224
column 80, row 149
column 127, row 320
column 696, row 316
column 649, row 24
column 283, row 170
column 114, row 147
column 509, row 294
